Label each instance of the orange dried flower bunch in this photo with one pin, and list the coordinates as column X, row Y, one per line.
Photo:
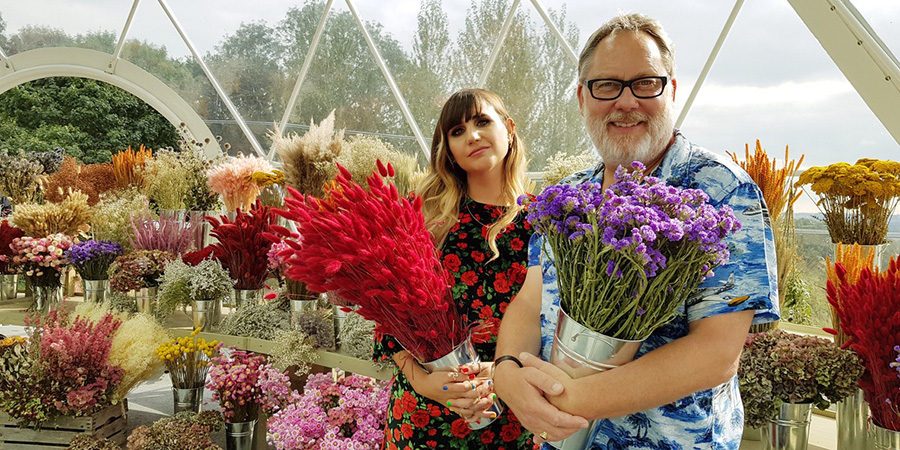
column 127, row 165
column 91, row 179
column 772, row 180
column 851, row 257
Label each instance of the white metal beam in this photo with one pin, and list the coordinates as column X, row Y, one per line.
column 212, row 79
column 556, row 32
column 117, row 53
column 498, row 44
column 858, row 53
column 709, row 61
column 404, row 108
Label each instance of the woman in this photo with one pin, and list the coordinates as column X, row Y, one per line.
column 469, row 201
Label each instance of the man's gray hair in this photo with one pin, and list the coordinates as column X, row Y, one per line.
column 629, row 22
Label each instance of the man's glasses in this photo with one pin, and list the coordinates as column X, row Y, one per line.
column 611, row 89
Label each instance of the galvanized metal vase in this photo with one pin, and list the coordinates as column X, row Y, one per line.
column 463, row 354
column 187, row 399
column 247, row 297
column 882, row 438
column 9, row 286
column 240, row 435
column 145, row 298
column 790, row 429
column 580, row 351
column 207, row 314
column 45, row 297
column 852, row 413
column 95, row 290
column 201, row 228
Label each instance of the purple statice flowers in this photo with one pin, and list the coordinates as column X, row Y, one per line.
column 627, row 257
column 92, row 258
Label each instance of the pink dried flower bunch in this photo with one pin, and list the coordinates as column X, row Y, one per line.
column 70, row 373
column 352, row 407
column 138, row 269
column 244, row 383
column 277, row 264
column 43, row 258
column 230, row 180
column 167, row 233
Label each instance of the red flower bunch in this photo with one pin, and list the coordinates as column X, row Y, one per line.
column 7, row 234
column 868, row 315
column 242, row 247
column 372, row 249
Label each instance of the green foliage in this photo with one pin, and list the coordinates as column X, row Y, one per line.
column 88, row 118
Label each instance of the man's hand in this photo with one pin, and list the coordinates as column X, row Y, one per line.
column 564, row 400
column 524, row 390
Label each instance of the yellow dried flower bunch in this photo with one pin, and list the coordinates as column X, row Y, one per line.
column 166, row 179
column 857, row 200
column 68, row 217
column 128, row 165
column 188, row 358
column 309, row 159
column 851, row 257
column 275, row 177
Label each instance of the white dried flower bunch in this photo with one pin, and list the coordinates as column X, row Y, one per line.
column 361, row 153
column 309, row 159
column 562, row 165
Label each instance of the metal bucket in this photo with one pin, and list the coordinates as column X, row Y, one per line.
column 882, row 438
column 188, row 399
column 247, row 297
column 463, row 354
column 95, row 290
column 852, row 413
column 145, row 298
column 580, row 352
column 239, row 435
column 206, row 314
column 790, row 429
column 9, row 286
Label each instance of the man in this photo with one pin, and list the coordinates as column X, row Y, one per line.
column 681, row 390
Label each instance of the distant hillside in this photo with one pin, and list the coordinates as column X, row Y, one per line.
column 813, row 221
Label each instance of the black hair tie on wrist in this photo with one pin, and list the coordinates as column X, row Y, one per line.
column 508, row 358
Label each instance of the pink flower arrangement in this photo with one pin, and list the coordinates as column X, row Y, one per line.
column 333, row 412
column 167, row 233
column 43, row 259
column 231, row 180
column 371, row 248
column 71, row 373
column 244, row 383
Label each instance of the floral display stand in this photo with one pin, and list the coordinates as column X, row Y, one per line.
column 110, row 422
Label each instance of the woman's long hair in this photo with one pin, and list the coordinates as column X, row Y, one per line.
column 443, row 189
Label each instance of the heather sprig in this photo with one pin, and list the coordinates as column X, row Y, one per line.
column 165, row 233
column 627, row 257
column 92, row 258
column 335, row 411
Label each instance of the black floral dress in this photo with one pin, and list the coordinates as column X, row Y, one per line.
column 482, row 291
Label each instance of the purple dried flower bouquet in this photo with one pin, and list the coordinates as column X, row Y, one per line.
column 92, row 259
column 627, row 257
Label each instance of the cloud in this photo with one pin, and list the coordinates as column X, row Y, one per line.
column 790, row 94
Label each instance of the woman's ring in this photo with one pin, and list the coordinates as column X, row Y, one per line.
column 543, row 435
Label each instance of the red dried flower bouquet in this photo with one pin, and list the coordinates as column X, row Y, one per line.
column 242, row 247
column 372, row 249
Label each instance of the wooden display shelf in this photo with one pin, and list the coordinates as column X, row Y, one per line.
column 110, row 422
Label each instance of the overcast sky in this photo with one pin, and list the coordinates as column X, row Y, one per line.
column 772, row 80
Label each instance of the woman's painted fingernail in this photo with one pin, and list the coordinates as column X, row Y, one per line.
column 493, row 415
column 445, row 388
column 471, row 376
column 473, row 387
column 489, row 382
column 448, row 403
column 493, row 396
column 465, row 370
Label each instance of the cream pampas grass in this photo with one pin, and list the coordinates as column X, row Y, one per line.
column 309, row 159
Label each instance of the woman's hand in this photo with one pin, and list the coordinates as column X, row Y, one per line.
column 462, row 390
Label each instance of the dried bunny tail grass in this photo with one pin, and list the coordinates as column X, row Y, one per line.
column 128, row 165
column 309, row 159
column 91, row 179
column 851, row 257
column 360, row 156
column 562, row 165
column 67, row 217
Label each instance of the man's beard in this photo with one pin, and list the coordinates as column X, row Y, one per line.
column 622, row 150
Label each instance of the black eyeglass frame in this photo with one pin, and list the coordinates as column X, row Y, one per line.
column 589, row 84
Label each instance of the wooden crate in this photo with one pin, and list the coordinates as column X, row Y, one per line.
column 110, row 422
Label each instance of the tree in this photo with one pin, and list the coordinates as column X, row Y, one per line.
column 89, row 118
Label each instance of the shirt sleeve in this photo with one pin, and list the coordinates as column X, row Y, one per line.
column 749, row 280
column 534, row 250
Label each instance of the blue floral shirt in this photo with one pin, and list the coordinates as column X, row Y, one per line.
column 712, row 418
